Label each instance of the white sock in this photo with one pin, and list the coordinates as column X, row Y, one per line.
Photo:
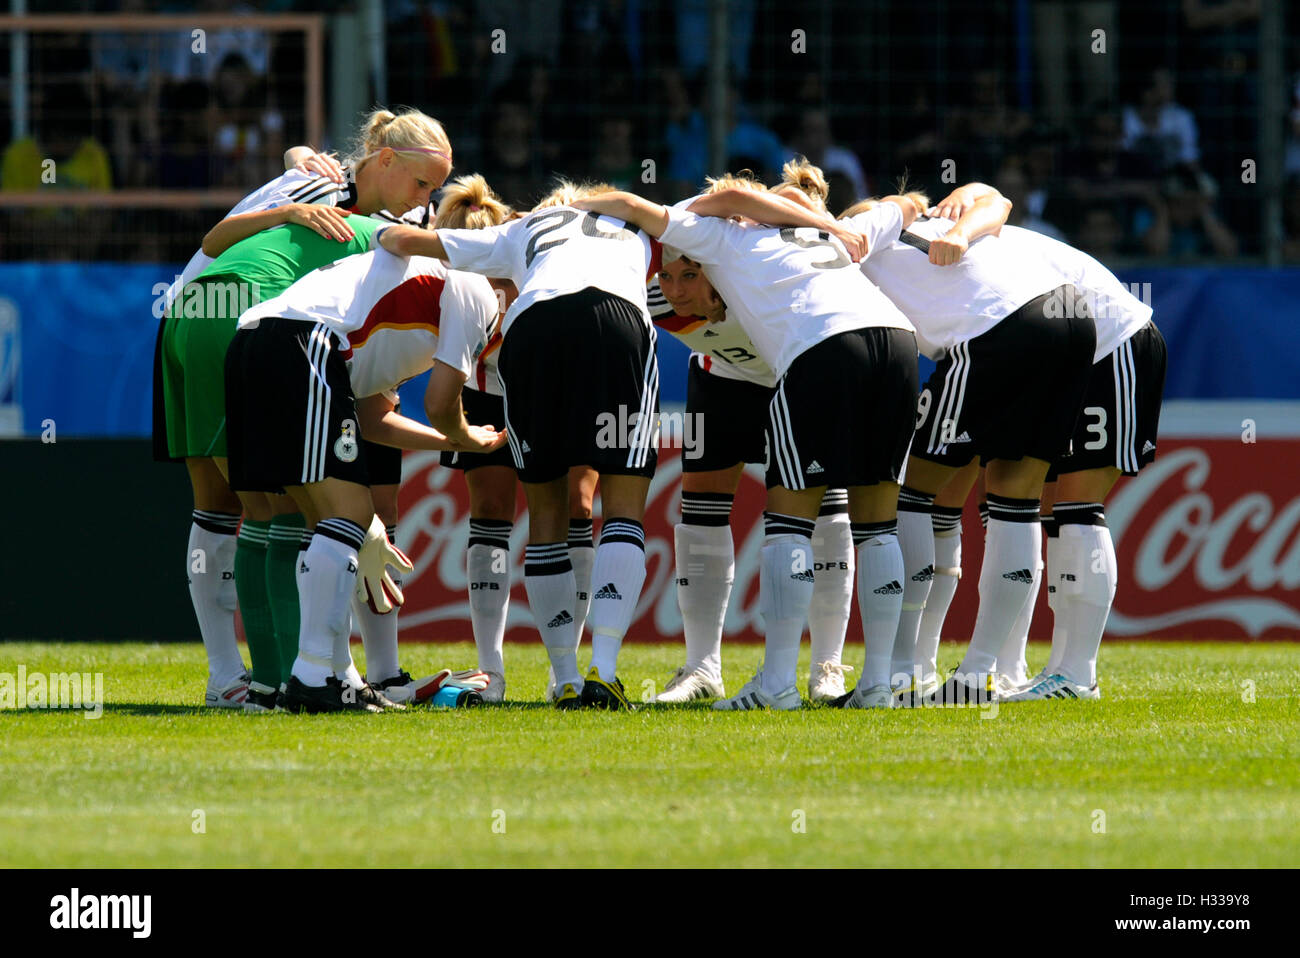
column 833, row 568
column 487, row 566
column 212, row 590
column 582, row 554
column 378, row 637
column 786, row 582
column 706, row 568
column 1055, row 560
column 1011, row 548
column 916, row 540
column 1011, row 657
column 617, row 577
column 880, row 597
column 548, row 579
column 324, row 595
column 1089, row 605
column 947, row 575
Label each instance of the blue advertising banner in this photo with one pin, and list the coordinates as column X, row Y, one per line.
column 76, row 341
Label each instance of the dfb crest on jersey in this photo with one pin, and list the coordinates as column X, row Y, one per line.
column 345, row 446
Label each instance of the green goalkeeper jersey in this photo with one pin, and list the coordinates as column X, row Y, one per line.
column 267, row 263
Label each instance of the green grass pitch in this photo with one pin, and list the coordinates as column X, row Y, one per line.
column 1178, row 765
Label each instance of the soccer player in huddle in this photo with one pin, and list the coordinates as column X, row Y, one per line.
column 831, row 337
column 1116, row 435
column 729, row 387
column 261, row 252
column 576, row 343
column 1008, row 387
column 311, row 372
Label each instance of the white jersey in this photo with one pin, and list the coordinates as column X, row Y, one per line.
column 789, row 288
column 555, row 252
column 293, row 186
column 723, row 349
column 393, row 315
column 484, row 379
column 949, row 304
column 1116, row 311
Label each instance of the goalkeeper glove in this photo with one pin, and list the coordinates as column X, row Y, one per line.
column 375, row 586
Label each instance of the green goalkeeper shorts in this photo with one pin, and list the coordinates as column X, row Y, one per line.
column 193, row 377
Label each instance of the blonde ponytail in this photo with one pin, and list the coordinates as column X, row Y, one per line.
column 469, row 203
column 808, row 179
column 408, row 131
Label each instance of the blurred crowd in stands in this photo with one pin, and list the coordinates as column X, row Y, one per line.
column 1134, row 150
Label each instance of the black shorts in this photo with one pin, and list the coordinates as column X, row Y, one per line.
column 1121, row 409
column 291, row 418
column 383, row 463
column 481, row 409
column 581, row 387
column 842, row 413
column 1012, row 392
column 732, row 420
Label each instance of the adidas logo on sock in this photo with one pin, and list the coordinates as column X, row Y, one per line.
column 1020, row 575
column 562, row 619
column 893, row 588
column 709, row 332
column 805, row 576
column 925, row 575
column 1148, row 446
column 608, row 592
column 814, row 468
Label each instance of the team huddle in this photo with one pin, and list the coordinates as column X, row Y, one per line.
column 536, row 327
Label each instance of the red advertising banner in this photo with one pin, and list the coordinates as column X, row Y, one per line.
column 1208, row 540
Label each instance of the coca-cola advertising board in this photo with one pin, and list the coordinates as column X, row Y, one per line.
column 1208, row 540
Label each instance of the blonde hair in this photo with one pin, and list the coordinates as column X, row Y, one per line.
column 566, row 191
column 744, row 180
column 807, row 178
column 469, row 203
column 915, row 197
column 407, row 131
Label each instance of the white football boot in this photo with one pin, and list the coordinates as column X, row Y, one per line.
column 229, row 696
column 1055, row 687
column 689, row 686
column 876, row 697
column 752, row 697
column 826, row 681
